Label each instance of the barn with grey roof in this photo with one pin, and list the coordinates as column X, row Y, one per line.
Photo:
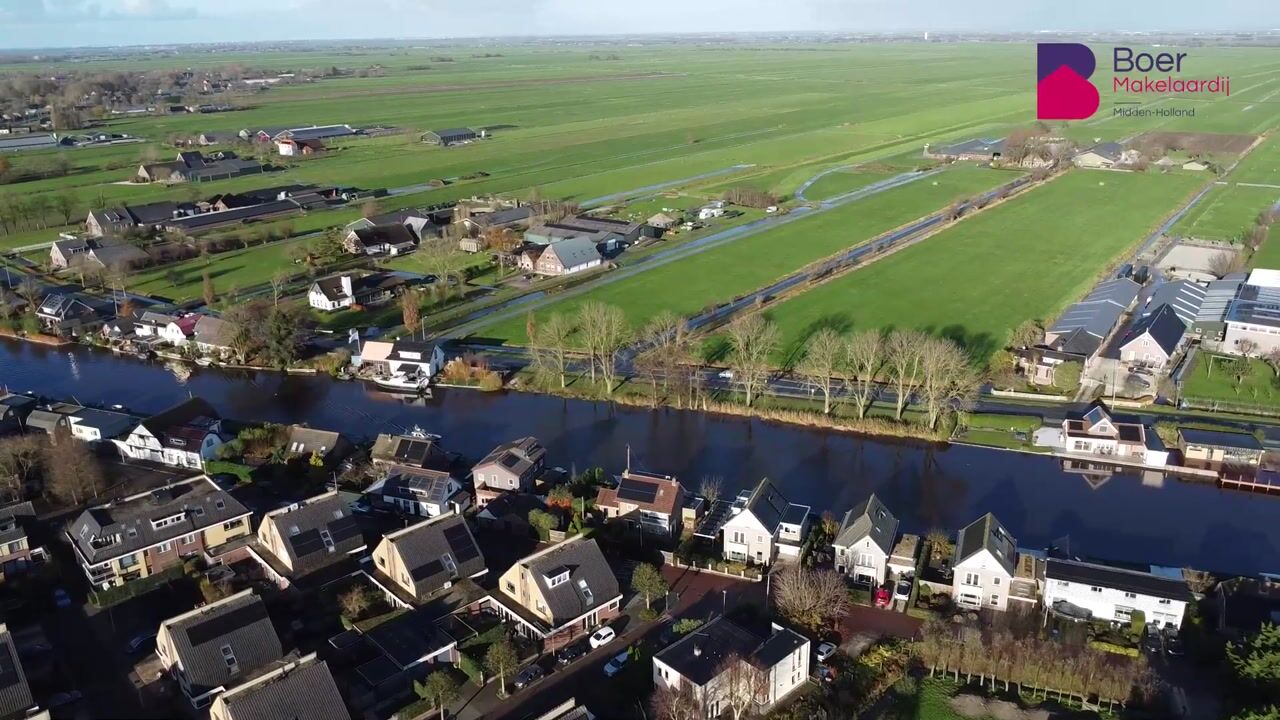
column 1084, row 326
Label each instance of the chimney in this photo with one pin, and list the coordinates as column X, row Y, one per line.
column 346, row 286
column 697, row 651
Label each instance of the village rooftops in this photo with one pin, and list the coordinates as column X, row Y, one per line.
column 317, row 530
column 1256, row 305
column 301, row 689
column 130, row 524
column 700, row 655
column 516, row 456
column 986, row 533
column 1085, row 324
column 870, row 518
column 184, row 423
column 201, row 639
column 15, row 693
column 1115, row 578
column 418, row 451
column 1184, row 296
column 437, row 551
column 654, row 493
column 573, row 577
column 1219, row 439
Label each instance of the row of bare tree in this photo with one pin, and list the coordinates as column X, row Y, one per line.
column 1031, row 663
column 64, row 467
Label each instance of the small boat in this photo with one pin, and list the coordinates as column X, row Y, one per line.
column 203, row 362
column 402, row 383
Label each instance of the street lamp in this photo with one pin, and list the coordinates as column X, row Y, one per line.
column 724, row 600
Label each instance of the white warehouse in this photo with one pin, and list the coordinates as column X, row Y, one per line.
column 1103, row 592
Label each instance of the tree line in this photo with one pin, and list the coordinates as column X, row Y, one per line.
column 58, row 466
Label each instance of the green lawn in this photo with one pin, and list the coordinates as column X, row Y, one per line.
column 238, row 268
column 1025, row 259
column 1226, row 212
column 1212, row 379
column 1261, row 166
column 717, row 275
column 844, row 181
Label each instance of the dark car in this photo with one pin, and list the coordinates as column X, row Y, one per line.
column 529, row 676
column 1173, row 643
column 570, row 653
column 1151, row 640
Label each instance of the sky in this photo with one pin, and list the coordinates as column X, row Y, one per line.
column 72, row 23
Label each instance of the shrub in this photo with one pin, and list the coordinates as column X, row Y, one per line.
column 471, row 668
column 648, row 615
column 687, row 625
column 906, row 686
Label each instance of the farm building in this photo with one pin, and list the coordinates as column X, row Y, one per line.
column 292, row 147
column 393, row 239
column 111, row 221
column 316, row 132
column 193, row 166
column 977, row 150
column 29, row 142
column 450, row 136
column 1253, row 320
column 1106, row 155
column 95, row 254
column 504, row 218
column 1084, row 326
column 566, row 257
column 204, row 222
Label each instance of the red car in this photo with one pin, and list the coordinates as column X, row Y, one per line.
column 882, row 598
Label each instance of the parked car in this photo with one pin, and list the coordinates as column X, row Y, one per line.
column 602, row 636
column 61, row 598
column 725, row 374
column 825, row 651
column 529, row 676
column 569, row 653
column 1173, row 643
column 1151, row 641
column 902, row 591
column 614, row 666
column 882, row 599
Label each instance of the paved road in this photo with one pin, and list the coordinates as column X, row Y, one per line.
column 659, row 187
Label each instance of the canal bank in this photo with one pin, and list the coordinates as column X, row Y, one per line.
column 1162, row 520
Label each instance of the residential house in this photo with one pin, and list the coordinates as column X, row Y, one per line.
column 300, row 689
column 662, row 221
column 344, row 291
column 15, row 693
column 305, row 536
column 986, row 561
column 418, row 449
column 418, row 491
column 409, row 358
column 67, row 316
column 569, row 256
column 412, row 644
column 91, row 253
column 14, row 410
column 393, row 239
column 559, row 593
column 50, row 419
column 761, row 525
column 143, row 534
column 94, row 425
column 422, row 560
column 291, row 147
column 644, row 501
column 320, row 448
column 214, row 336
column 477, row 222
column 423, row 223
column 1218, row 450
column 773, row 666
column 1253, row 320
column 1097, row 432
column 185, row 435
column 218, row 646
column 509, row 513
column 449, row 136
column 1107, row 155
column 16, row 551
column 1153, row 340
column 1091, row 591
column 864, row 543
column 509, row 467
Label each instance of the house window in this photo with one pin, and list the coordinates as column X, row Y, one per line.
column 1123, row 614
column 231, row 525
column 128, row 561
column 199, row 511
column 995, row 599
column 995, row 581
column 971, row 578
column 382, row 562
column 1166, row 601
column 1096, row 589
column 220, row 504
column 1131, row 596
column 511, row 588
column 189, row 539
column 865, row 560
column 165, row 547
column 739, row 537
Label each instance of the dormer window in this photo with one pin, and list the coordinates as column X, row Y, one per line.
column 229, row 656
column 586, row 592
column 557, row 577
column 168, row 520
column 293, row 530
column 447, row 561
column 199, row 511
column 220, row 504
column 328, row 540
column 132, row 532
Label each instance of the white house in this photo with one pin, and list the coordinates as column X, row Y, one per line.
column 419, row 491
column 985, row 562
column 761, row 524
column 1153, row 340
column 1097, row 432
column 1084, row 590
column 771, row 667
column 402, row 357
column 185, row 435
column 864, row 542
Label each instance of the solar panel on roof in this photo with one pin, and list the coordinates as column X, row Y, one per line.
column 638, row 491
column 344, row 529
column 431, row 569
column 460, row 542
column 378, row 670
column 226, row 623
column 8, row 667
column 307, row 543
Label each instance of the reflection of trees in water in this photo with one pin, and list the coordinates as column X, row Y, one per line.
column 939, row 494
column 181, row 372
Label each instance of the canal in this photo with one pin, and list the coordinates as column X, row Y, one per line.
column 1162, row 520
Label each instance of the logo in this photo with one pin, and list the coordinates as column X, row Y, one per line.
column 1063, row 90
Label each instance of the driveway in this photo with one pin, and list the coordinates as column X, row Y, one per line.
column 864, row 620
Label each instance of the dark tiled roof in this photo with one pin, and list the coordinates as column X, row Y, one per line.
column 459, row 133
column 409, row 638
column 514, row 456
column 241, row 622
column 233, row 215
column 15, row 693
column 1216, row 438
column 699, row 655
column 591, row 582
column 429, row 548
column 780, row 645
column 299, row 691
column 768, row 505
column 986, row 533
column 869, row 518
column 393, row 234
column 319, row 531
column 508, row 216
column 1163, row 326
column 1117, row 579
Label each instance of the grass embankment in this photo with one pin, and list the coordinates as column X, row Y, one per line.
column 1025, row 259
column 1226, row 212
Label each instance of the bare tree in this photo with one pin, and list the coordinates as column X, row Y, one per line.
column 753, row 339
column 904, row 353
column 1247, row 348
column 710, row 488
column 549, row 344
column 439, row 256
column 278, row 280
column 210, row 295
column 411, row 310
column 811, row 598
column 822, row 364
column 1272, row 359
column 664, row 345
column 740, row 684
column 1198, row 580
column 604, row 332
column 355, row 602
column 1225, row 263
column 945, row 377
column 29, row 290
column 19, row 458
column 675, row 703
column 864, row 357
column 72, row 474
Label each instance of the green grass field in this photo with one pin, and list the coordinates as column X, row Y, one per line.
column 1226, row 212
column 719, row 274
column 236, row 269
column 1212, row 380
column 1025, row 259
column 1262, row 166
